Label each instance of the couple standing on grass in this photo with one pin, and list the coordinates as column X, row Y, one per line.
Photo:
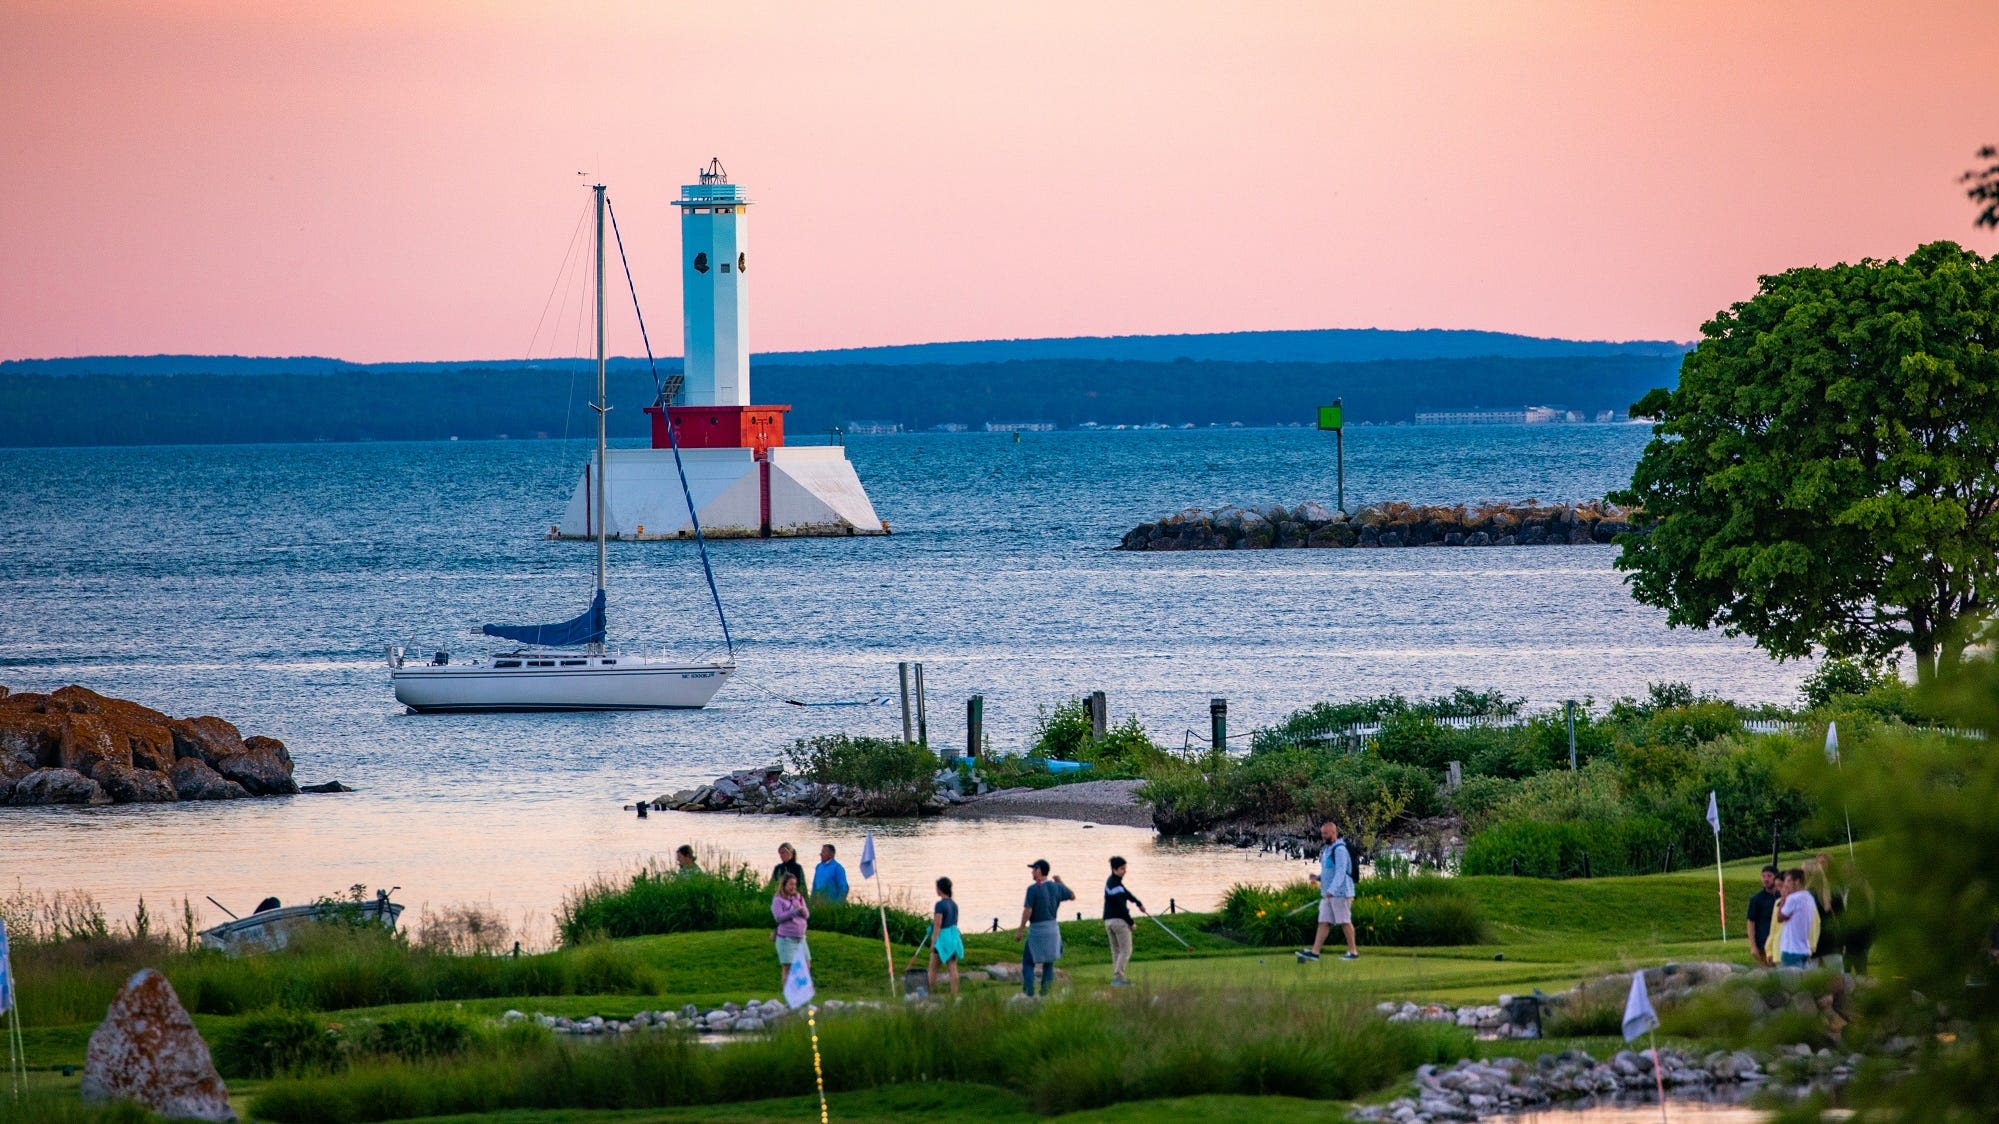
column 1337, row 874
column 1040, row 924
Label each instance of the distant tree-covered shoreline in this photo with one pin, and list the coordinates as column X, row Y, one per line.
column 398, row 403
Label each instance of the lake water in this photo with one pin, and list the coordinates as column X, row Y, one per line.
column 261, row 583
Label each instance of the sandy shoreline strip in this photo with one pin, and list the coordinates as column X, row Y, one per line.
column 1104, row 802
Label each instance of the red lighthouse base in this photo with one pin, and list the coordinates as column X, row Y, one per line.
column 720, row 427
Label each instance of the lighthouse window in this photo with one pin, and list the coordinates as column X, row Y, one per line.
column 742, row 263
column 725, row 267
column 701, row 263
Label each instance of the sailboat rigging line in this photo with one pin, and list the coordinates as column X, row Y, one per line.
column 672, row 438
column 561, row 272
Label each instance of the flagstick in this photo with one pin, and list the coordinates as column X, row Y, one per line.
column 1658, row 1074
column 888, row 950
column 1720, row 891
column 818, row 1072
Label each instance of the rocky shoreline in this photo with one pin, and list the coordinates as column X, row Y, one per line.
column 75, row 746
column 768, row 791
column 1313, row 525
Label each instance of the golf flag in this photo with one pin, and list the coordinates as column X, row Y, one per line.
column 1639, row 1017
column 798, row 990
column 1832, row 743
column 868, row 857
column 6, row 972
column 1713, row 813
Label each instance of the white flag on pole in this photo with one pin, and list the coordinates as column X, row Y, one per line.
column 798, row 990
column 1639, row 1016
column 1832, row 743
column 868, row 857
column 1713, row 813
column 6, row 972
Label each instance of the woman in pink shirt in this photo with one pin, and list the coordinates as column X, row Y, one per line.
column 788, row 908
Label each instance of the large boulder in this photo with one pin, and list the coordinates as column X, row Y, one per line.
column 211, row 739
column 92, row 748
column 194, row 780
column 56, row 786
column 264, row 767
column 126, row 785
column 147, row 1050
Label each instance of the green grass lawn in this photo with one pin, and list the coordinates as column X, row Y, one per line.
column 1544, row 934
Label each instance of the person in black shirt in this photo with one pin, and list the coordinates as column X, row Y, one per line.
column 787, row 863
column 1761, row 904
column 1117, row 920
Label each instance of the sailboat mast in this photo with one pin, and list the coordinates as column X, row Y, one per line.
column 603, row 404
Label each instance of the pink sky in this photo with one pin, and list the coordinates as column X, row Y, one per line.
column 398, row 180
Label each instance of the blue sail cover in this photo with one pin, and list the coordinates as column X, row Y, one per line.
column 586, row 629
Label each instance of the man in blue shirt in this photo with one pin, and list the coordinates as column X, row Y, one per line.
column 1040, row 926
column 1336, row 892
column 829, row 878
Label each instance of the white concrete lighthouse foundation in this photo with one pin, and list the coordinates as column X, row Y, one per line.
column 800, row 490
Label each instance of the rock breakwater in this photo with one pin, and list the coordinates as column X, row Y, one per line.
column 769, row 791
column 1383, row 525
column 75, row 746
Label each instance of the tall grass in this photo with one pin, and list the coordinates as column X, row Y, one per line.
column 1062, row 1056
column 1420, row 911
column 728, row 895
column 327, row 968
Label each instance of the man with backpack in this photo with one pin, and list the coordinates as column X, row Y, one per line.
column 1337, row 871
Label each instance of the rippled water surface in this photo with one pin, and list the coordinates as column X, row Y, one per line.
column 262, row 582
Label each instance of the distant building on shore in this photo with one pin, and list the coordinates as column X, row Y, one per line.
column 871, row 428
column 1526, row 415
column 1472, row 417
column 1020, row 427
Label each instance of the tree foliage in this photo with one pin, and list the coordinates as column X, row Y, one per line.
column 1826, row 475
column 1983, row 189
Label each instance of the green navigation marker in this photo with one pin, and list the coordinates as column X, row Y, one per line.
column 1330, row 417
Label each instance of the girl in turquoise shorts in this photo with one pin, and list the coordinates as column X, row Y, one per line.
column 946, row 945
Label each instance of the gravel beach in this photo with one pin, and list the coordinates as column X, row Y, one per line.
column 1105, row 802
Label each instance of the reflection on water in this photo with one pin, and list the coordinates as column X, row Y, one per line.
column 1676, row 1109
column 522, row 858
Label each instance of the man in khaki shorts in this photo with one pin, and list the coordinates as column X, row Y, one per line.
column 1336, row 891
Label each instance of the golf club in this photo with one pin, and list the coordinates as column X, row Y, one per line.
column 1171, row 933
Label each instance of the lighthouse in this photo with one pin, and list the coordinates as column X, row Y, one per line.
column 745, row 482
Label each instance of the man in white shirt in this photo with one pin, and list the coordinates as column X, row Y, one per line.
column 1795, row 915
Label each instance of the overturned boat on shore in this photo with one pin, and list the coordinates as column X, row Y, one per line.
column 272, row 926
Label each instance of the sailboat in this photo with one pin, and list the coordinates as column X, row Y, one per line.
column 568, row 665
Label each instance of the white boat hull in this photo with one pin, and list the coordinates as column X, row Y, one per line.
column 624, row 683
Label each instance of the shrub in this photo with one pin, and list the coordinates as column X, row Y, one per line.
column 1184, row 799
column 893, row 777
column 1478, row 799
column 279, row 1041
column 1408, row 912
column 1637, row 845
column 1841, row 678
column 1061, row 734
column 726, row 896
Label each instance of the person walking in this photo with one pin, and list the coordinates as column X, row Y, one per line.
column 829, row 878
column 1117, row 920
column 1039, row 924
column 1761, row 904
column 683, row 862
column 1796, row 915
column 787, row 863
column 1336, row 892
column 790, row 910
column 947, row 945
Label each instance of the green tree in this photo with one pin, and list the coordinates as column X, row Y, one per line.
column 1826, row 475
column 1984, row 187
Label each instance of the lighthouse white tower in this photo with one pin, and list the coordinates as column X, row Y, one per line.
column 746, row 483
column 714, row 261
